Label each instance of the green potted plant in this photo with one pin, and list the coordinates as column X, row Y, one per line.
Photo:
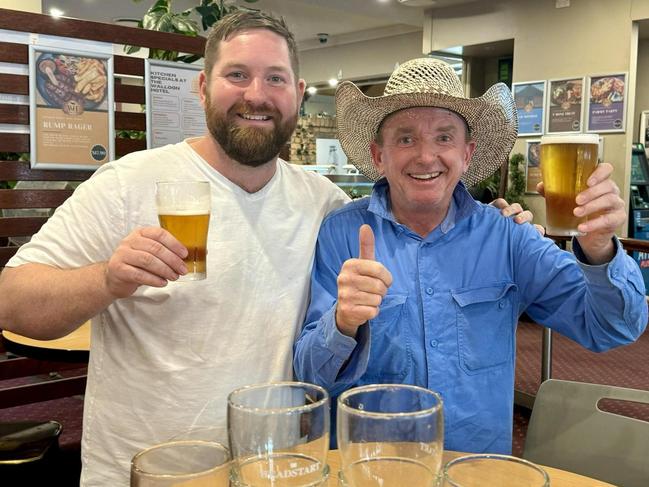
column 160, row 17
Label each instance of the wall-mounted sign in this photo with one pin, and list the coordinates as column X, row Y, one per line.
column 564, row 105
column 530, row 106
column 606, row 103
column 71, row 108
column 174, row 110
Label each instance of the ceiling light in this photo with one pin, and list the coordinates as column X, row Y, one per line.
column 56, row 12
column 333, row 82
column 312, row 90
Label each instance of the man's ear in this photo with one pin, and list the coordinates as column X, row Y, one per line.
column 301, row 86
column 377, row 156
column 202, row 87
column 468, row 154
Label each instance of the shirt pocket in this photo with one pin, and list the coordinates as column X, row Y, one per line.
column 485, row 326
column 390, row 353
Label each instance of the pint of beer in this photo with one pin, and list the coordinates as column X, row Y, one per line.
column 184, row 211
column 567, row 161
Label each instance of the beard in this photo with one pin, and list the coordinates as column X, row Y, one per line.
column 250, row 146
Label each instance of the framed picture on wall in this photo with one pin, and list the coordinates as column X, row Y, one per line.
column 530, row 106
column 174, row 110
column 532, row 165
column 71, row 108
column 606, row 108
column 564, row 106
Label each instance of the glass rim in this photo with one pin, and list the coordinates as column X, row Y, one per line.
column 212, row 444
column 182, row 181
column 566, row 139
column 277, row 386
column 494, row 456
column 377, row 414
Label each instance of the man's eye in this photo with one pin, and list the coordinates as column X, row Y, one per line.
column 236, row 75
column 444, row 138
column 406, row 139
column 275, row 79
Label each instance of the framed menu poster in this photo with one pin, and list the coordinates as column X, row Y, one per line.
column 564, row 105
column 530, row 106
column 174, row 110
column 71, row 108
column 606, row 110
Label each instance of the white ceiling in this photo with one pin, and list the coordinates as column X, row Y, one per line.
column 306, row 18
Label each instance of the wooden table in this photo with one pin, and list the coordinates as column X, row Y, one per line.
column 74, row 347
column 558, row 478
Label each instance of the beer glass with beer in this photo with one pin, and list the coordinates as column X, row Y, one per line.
column 184, row 211
column 567, row 161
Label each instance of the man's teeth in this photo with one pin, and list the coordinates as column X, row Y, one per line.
column 255, row 117
column 431, row 175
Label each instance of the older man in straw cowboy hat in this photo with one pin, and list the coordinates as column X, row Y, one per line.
column 420, row 284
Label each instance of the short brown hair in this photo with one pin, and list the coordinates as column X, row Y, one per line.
column 241, row 20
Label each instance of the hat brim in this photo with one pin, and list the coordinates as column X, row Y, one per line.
column 491, row 118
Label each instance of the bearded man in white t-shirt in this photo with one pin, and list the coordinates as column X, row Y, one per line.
column 165, row 354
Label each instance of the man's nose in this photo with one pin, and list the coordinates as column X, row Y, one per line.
column 255, row 91
column 428, row 150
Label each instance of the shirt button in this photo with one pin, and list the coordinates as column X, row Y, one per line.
column 501, row 304
column 429, row 291
column 433, row 343
column 615, row 272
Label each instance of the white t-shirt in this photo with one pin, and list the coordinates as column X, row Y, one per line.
column 164, row 360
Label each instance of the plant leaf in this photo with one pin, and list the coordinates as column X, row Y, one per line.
column 161, row 5
column 151, row 19
column 165, row 23
column 189, row 58
column 184, row 25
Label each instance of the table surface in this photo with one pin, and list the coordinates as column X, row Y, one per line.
column 558, row 478
column 73, row 347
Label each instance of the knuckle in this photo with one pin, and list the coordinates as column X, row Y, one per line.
column 146, row 259
column 154, row 247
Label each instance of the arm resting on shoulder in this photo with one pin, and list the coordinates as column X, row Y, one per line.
column 43, row 302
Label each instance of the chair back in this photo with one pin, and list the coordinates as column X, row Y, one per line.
column 568, row 430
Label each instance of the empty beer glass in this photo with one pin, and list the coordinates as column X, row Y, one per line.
column 186, row 463
column 567, row 161
column 184, row 211
column 279, row 435
column 491, row 470
column 390, row 435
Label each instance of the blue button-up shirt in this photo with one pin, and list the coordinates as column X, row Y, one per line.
column 448, row 321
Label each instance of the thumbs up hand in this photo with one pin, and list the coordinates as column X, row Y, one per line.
column 362, row 283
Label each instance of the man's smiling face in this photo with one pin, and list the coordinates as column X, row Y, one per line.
column 251, row 97
column 423, row 152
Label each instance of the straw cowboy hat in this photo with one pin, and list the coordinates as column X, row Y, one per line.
column 428, row 82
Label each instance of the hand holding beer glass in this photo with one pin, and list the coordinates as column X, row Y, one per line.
column 184, row 211
column 567, row 161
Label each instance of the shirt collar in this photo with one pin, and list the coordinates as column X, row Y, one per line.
column 462, row 205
